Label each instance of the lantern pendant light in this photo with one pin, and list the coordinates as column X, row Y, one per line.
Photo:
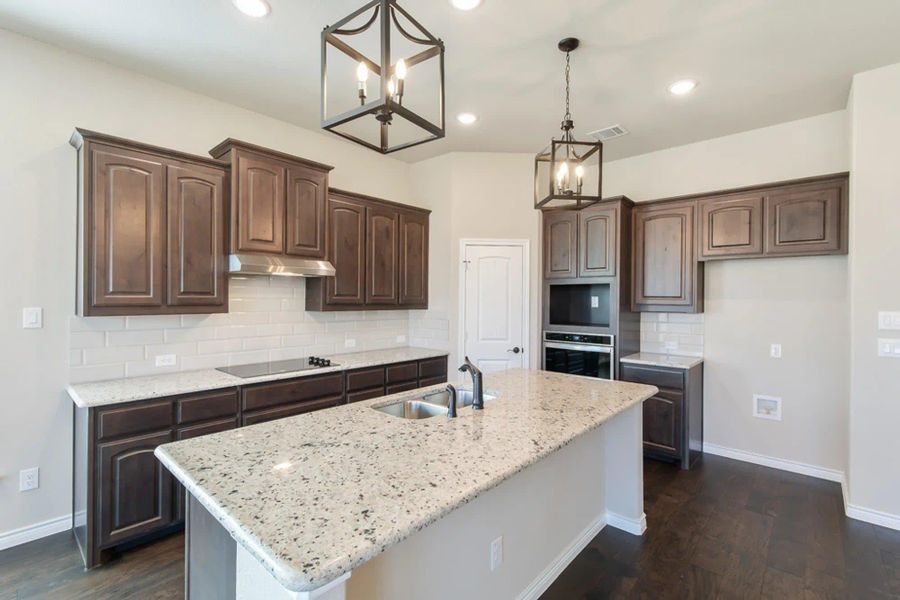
column 568, row 172
column 366, row 117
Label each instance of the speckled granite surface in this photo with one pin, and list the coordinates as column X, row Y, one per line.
column 316, row 495
column 662, row 360
column 116, row 391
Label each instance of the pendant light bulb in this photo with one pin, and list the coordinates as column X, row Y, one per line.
column 392, row 87
column 579, row 172
column 362, row 72
column 401, row 69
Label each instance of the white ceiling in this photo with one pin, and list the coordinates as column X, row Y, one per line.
column 759, row 62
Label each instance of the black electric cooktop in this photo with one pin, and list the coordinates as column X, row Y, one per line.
column 278, row 366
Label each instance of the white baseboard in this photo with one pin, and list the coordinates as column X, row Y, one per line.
column 30, row 533
column 632, row 526
column 549, row 575
column 775, row 463
column 875, row 517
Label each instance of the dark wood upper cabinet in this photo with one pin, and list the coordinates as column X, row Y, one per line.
column 153, row 223
column 277, row 200
column 807, row 219
column 730, row 226
column 597, row 241
column 379, row 250
column 382, row 255
column 196, row 236
column 307, row 192
column 347, row 251
column 258, row 218
column 667, row 275
column 413, row 259
column 127, row 205
column 560, row 244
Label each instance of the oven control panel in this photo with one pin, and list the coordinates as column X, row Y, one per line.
column 579, row 338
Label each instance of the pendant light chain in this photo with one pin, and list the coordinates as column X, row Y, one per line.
column 568, row 116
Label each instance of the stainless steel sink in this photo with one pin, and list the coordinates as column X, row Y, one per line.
column 429, row 405
column 413, row 409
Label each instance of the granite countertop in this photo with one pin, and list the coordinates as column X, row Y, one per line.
column 662, row 360
column 117, row 391
column 316, row 495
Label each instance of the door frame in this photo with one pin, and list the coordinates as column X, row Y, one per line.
column 525, row 245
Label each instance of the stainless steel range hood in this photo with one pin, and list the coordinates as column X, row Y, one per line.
column 288, row 266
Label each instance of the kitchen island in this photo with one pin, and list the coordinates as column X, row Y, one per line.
column 412, row 508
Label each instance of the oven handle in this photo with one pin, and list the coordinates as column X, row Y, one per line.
column 601, row 349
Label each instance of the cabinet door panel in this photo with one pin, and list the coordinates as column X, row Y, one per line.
column 560, row 244
column 347, row 252
column 805, row 219
column 136, row 491
column 662, row 423
column 305, row 226
column 414, row 260
column 731, row 226
column 127, row 207
column 597, row 242
column 382, row 255
column 196, row 236
column 259, row 216
column 664, row 264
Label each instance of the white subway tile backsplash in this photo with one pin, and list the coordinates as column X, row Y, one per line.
column 678, row 334
column 267, row 321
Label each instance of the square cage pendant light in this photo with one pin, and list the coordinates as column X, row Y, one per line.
column 568, row 172
column 403, row 104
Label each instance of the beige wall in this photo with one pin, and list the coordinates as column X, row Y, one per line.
column 46, row 93
column 474, row 195
column 874, row 284
column 799, row 303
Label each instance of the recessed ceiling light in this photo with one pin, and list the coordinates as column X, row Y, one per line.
column 466, row 118
column 253, row 8
column 465, row 4
column 682, row 87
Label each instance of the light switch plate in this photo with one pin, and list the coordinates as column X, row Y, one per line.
column 888, row 320
column 775, row 351
column 889, row 348
column 32, row 317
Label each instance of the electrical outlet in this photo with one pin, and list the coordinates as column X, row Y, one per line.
column 401, row 339
column 165, row 360
column 889, row 347
column 32, row 317
column 775, row 351
column 350, row 343
column 671, row 346
column 29, row 479
column 888, row 320
column 496, row 553
column 595, row 301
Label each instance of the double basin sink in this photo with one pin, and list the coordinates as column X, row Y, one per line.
column 432, row 404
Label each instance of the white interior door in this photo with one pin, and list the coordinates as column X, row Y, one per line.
column 495, row 311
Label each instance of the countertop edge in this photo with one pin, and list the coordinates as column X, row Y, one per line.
column 292, row 579
column 642, row 358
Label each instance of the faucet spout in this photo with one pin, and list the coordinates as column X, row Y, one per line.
column 451, row 401
column 477, row 380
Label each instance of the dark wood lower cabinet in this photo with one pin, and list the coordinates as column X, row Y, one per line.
column 123, row 496
column 673, row 418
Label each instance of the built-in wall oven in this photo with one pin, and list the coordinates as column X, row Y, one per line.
column 586, row 354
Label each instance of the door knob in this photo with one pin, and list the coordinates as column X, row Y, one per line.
column 515, row 350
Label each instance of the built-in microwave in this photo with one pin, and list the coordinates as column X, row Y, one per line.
column 585, row 305
column 591, row 355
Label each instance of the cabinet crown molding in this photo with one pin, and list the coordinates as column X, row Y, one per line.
column 228, row 144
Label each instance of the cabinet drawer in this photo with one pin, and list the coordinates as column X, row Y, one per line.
column 402, row 372
column 365, row 395
column 401, row 387
column 433, row 367
column 365, row 379
column 297, row 408
column 194, row 431
column 131, row 419
column 433, row 380
column 213, row 405
column 658, row 376
column 302, row 389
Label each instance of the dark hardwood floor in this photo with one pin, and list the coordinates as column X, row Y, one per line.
column 723, row 530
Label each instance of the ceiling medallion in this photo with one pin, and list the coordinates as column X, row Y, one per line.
column 384, row 118
column 568, row 172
